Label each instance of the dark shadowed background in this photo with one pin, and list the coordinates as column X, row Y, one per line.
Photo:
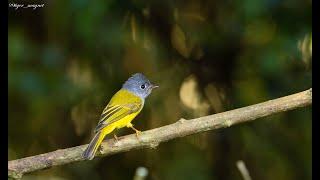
column 68, row 58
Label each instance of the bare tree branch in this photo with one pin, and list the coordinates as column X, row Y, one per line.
column 152, row 138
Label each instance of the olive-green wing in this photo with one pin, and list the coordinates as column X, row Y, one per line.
column 114, row 113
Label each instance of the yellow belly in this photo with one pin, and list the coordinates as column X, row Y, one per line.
column 126, row 120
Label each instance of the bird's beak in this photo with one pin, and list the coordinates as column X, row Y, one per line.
column 154, row 86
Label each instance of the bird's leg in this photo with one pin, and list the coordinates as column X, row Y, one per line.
column 115, row 137
column 136, row 130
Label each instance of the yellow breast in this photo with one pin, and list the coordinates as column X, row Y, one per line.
column 126, row 97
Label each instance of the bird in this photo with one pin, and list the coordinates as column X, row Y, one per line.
column 122, row 108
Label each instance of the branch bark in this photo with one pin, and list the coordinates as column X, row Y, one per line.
column 152, row 138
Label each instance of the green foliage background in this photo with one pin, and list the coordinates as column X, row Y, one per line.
column 68, row 58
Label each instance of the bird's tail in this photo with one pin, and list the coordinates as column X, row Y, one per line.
column 95, row 143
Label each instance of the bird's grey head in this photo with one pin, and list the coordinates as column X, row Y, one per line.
column 139, row 85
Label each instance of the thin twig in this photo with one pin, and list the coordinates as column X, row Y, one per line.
column 243, row 170
column 152, row 138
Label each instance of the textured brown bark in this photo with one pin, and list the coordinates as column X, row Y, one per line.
column 152, row 138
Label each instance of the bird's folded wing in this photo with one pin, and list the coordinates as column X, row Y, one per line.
column 112, row 114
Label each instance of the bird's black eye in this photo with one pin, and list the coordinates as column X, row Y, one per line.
column 142, row 86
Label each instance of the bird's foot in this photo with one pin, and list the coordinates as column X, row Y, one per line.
column 116, row 137
column 138, row 133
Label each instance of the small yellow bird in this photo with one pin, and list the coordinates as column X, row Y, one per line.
column 123, row 107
